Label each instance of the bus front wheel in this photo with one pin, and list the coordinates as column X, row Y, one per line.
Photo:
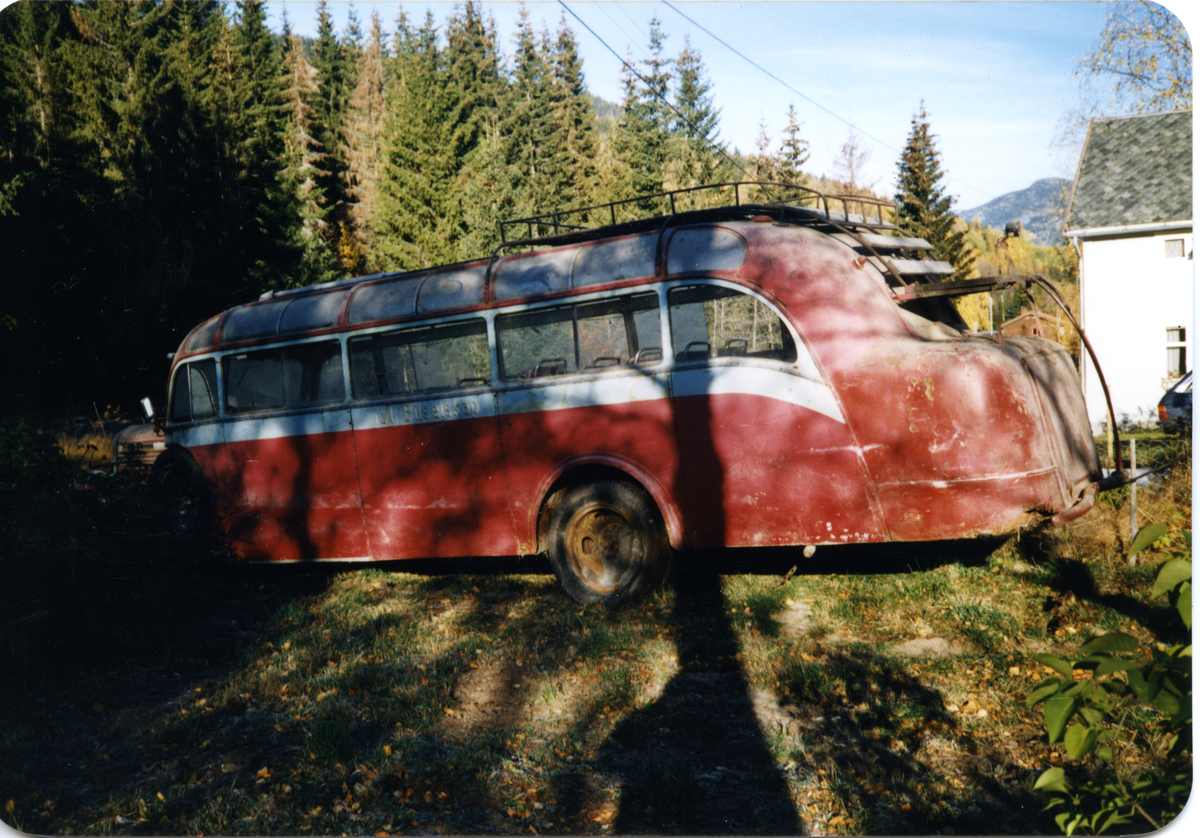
column 183, row 498
column 607, row 543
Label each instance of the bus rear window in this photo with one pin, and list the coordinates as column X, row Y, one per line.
column 422, row 360
column 289, row 376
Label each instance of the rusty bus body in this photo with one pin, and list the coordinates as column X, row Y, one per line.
column 587, row 400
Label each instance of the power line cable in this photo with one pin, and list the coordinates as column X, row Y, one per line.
column 802, row 95
column 660, row 97
column 757, row 66
column 604, row 11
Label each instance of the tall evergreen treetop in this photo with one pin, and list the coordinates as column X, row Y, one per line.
column 694, row 156
column 793, row 151
column 575, row 115
column 364, row 138
column 697, row 117
column 529, row 128
column 924, row 207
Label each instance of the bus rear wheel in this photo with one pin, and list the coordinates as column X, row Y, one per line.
column 607, row 543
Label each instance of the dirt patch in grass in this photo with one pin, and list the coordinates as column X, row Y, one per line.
column 873, row 692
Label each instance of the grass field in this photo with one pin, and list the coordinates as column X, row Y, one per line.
column 874, row 691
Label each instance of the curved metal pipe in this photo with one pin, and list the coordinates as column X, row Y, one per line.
column 1117, row 478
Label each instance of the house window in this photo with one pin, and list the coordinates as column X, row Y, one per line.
column 1174, row 248
column 1176, row 351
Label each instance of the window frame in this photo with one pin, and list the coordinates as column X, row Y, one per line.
column 574, row 303
column 1178, row 344
column 223, row 384
column 803, row 357
column 431, row 325
column 185, row 370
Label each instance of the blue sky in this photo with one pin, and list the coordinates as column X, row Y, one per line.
column 996, row 77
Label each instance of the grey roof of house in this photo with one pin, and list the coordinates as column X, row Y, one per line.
column 1134, row 170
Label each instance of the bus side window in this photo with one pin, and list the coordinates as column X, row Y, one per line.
column 708, row 321
column 421, row 360
column 537, row 343
column 619, row 332
column 253, row 381
column 308, row 373
column 312, row 373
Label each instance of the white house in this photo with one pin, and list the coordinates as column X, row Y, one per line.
column 1130, row 217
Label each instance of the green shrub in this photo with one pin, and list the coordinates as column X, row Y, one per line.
column 1124, row 700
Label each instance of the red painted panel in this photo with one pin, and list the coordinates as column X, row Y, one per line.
column 295, row 498
column 760, row 471
column 435, row 489
column 993, row 506
column 539, row 444
column 929, row 406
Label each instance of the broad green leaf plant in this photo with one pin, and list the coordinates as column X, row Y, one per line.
column 1101, row 702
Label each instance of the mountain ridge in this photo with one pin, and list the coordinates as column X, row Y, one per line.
column 1039, row 207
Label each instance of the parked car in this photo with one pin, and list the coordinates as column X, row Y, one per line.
column 1175, row 407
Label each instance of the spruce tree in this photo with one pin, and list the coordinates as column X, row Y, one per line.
column 417, row 164
column 39, row 208
column 576, row 119
column 764, row 167
column 533, row 138
column 363, row 143
column 656, row 73
column 924, row 208
column 305, row 165
column 332, row 62
column 472, row 91
column 695, row 117
column 151, row 153
column 639, row 139
column 693, row 158
column 793, row 151
column 264, row 211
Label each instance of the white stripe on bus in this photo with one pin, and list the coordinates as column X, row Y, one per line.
column 758, row 381
column 613, row 389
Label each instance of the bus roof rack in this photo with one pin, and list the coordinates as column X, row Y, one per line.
column 731, row 200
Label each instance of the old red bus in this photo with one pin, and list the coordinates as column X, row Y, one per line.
column 755, row 374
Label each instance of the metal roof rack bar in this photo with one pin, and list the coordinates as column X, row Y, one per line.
column 870, row 210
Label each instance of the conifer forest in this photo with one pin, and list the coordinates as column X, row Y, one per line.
column 161, row 161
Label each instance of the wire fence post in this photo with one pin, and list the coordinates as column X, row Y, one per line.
column 1132, row 492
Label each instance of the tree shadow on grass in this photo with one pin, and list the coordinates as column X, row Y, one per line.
column 1076, row 578
column 695, row 761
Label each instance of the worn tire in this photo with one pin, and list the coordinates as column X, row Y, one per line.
column 183, row 499
column 607, row 543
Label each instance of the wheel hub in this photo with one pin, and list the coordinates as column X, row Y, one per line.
column 602, row 545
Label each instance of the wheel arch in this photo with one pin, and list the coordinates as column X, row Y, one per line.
column 600, row 468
